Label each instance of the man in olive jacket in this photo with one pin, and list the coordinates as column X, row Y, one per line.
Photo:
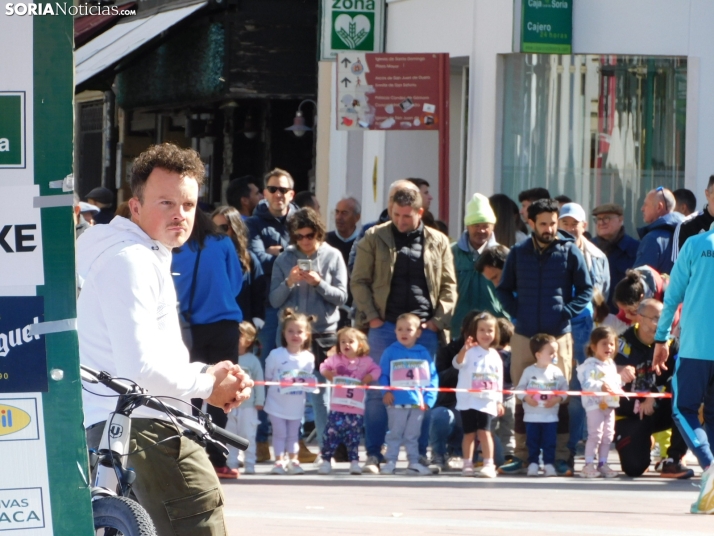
column 401, row 267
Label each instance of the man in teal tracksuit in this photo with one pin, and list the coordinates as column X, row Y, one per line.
column 692, row 284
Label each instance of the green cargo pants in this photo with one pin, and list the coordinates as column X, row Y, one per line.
column 175, row 481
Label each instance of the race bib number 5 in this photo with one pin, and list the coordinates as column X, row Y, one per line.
column 296, row 382
column 409, row 373
column 345, row 394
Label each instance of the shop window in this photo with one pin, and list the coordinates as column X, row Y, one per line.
column 599, row 129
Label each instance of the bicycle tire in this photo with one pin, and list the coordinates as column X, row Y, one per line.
column 123, row 515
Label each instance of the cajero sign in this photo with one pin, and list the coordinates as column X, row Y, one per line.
column 351, row 25
column 12, row 129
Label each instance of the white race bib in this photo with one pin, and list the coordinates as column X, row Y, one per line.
column 409, row 373
column 344, row 393
column 299, row 382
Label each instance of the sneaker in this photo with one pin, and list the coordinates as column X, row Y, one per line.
column 590, row 471
column 418, row 469
column 562, row 468
column 487, row 471
column 672, row 469
column 294, row 468
column 262, row 452
column 371, row 466
column 423, row 460
column 249, row 469
column 437, row 464
column 606, row 471
column 226, row 472
column 705, row 502
column 325, row 468
column 533, row 469
column 388, row 468
column 549, row 470
column 355, row 469
column 515, row 467
column 467, row 470
column 278, row 469
column 454, row 463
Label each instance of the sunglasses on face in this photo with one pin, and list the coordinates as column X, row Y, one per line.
column 281, row 189
column 301, row 237
column 603, row 219
column 223, row 227
column 660, row 190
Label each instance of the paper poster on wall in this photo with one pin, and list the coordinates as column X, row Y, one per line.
column 21, row 261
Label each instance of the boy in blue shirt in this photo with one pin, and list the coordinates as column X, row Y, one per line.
column 407, row 364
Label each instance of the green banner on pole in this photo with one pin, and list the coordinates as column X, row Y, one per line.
column 546, row 26
column 44, row 479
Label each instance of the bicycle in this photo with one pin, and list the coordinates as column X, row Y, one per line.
column 115, row 510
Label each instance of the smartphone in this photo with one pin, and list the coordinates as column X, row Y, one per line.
column 305, row 265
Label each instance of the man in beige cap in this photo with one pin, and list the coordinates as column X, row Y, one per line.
column 620, row 248
column 474, row 290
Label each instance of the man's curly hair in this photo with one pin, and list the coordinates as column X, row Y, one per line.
column 169, row 157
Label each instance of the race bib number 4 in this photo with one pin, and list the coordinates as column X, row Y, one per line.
column 345, row 394
column 409, row 373
column 296, row 382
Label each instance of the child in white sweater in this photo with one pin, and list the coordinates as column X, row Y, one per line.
column 244, row 420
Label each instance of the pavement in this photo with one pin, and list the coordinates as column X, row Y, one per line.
column 451, row 504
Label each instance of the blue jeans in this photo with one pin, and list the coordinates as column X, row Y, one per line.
column 319, row 407
column 446, row 432
column 541, row 435
column 375, row 414
column 582, row 327
column 266, row 336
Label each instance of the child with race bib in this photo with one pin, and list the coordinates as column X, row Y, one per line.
column 407, row 364
column 598, row 373
column 480, row 367
column 291, row 364
column 541, row 410
column 351, row 367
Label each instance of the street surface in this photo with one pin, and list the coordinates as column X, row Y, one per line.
column 451, row 504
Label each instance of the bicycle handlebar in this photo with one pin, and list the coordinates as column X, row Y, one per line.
column 94, row 376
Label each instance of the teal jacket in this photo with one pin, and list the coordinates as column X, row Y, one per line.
column 691, row 283
column 474, row 291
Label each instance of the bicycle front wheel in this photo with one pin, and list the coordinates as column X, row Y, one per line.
column 121, row 515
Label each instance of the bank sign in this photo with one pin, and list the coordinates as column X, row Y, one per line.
column 12, row 129
column 546, row 26
column 351, row 25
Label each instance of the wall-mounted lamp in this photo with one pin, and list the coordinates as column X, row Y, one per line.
column 299, row 127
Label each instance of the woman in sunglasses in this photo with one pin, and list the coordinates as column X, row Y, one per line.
column 252, row 297
column 310, row 277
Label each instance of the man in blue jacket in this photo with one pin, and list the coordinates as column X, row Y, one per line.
column 545, row 283
column 692, row 285
column 656, row 238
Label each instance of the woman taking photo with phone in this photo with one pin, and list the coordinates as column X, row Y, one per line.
column 310, row 277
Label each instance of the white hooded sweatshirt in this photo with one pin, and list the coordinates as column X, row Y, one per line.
column 127, row 320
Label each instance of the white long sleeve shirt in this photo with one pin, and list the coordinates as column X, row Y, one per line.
column 127, row 320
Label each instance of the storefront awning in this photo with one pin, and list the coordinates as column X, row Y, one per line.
column 89, row 26
column 124, row 38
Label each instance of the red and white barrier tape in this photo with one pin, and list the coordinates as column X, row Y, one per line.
column 458, row 390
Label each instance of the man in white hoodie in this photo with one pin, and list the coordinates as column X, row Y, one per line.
column 128, row 326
